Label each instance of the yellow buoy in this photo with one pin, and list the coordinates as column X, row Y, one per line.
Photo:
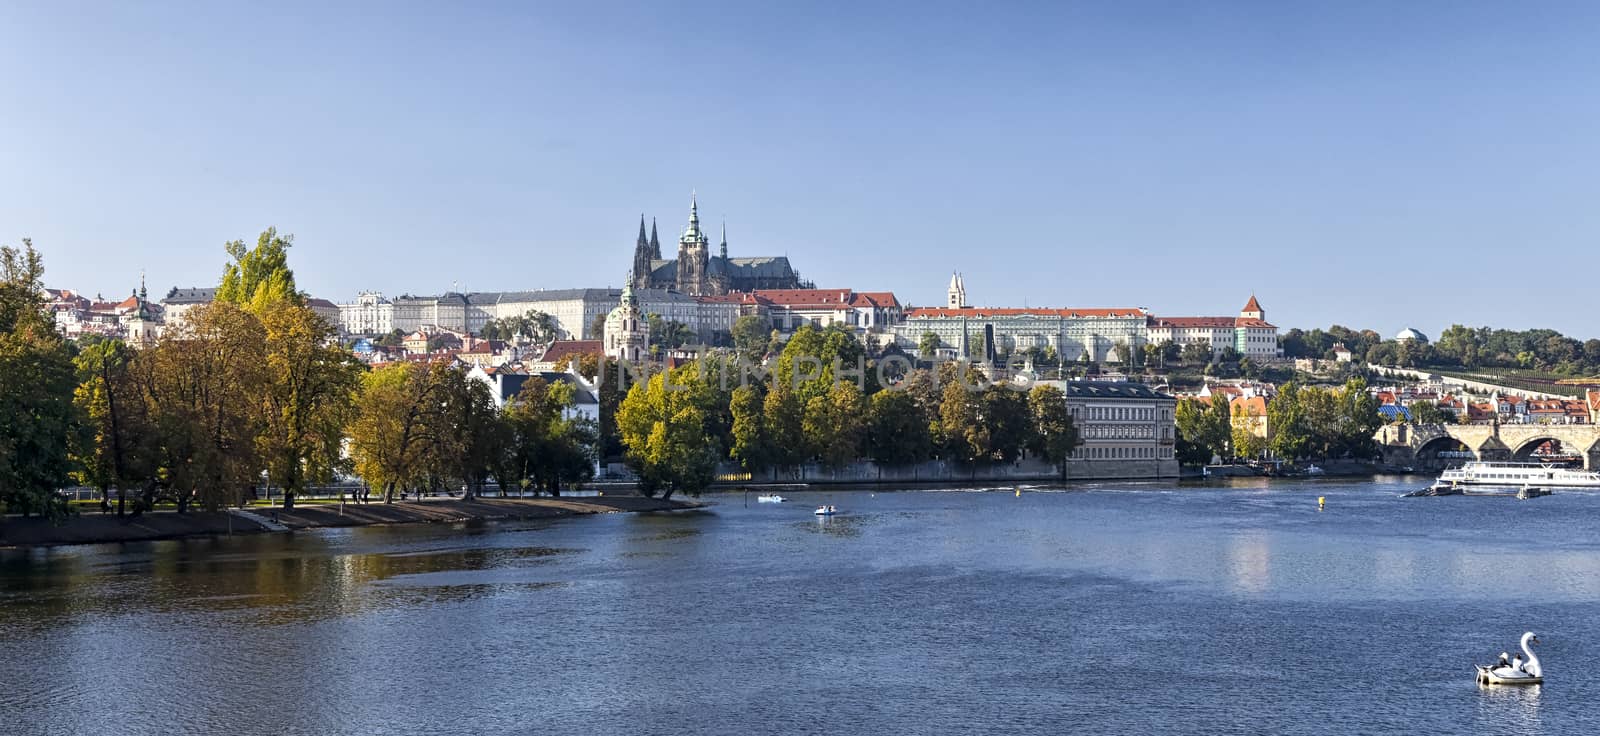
column 1019, row 492
column 1321, row 500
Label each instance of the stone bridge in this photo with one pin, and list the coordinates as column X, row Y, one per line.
column 1436, row 446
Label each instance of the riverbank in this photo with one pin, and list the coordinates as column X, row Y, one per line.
column 107, row 528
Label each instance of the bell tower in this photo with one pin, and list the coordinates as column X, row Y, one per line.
column 694, row 251
column 956, row 297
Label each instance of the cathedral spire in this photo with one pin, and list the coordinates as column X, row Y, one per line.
column 724, row 247
column 643, row 241
column 655, row 242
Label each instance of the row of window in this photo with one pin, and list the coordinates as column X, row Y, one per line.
column 1123, row 413
column 1124, row 453
column 1119, row 432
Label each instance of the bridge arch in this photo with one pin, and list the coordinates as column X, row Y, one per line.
column 1527, row 450
column 1442, row 452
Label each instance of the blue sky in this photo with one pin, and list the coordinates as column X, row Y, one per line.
column 1375, row 165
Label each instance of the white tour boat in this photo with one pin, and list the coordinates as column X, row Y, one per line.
column 770, row 498
column 1516, row 475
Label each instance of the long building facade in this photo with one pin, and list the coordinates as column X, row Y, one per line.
column 987, row 332
column 577, row 313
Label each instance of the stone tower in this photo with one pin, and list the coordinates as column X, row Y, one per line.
column 694, row 254
column 956, row 297
column 639, row 277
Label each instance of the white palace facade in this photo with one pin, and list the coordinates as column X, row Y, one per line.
column 1077, row 333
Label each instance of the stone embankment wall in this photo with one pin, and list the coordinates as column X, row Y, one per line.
column 947, row 473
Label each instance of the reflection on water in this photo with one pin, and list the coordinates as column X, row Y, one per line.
column 1120, row 608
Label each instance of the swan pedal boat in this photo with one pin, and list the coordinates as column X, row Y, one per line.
column 825, row 511
column 1505, row 676
column 1530, row 673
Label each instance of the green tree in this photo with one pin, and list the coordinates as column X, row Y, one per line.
column 1426, row 412
column 751, row 335
column 259, row 276
column 472, row 446
column 1009, row 422
column 111, row 448
column 751, row 447
column 897, row 429
column 1205, row 425
column 928, row 345
column 1055, row 436
column 1125, row 354
column 1290, row 434
column 784, row 416
column 1196, row 354
column 37, row 380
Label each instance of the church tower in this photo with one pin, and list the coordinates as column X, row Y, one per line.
column 1252, row 310
column 639, row 277
column 719, row 274
column 956, row 297
column 626, row 333
column 694, row 254
column 655, row 242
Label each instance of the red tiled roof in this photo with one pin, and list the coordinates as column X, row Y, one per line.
column 1254, row 406
column 1252, row 305
column 822, row 298
column 563, row 348
column 1213, row 322
column 990, row 312
column 1191, row 322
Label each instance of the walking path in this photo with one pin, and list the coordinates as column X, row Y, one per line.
column 93, row 528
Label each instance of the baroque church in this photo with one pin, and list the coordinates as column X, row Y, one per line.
column 697, row 272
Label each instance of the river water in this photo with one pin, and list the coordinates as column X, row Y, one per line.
column 1117, row 608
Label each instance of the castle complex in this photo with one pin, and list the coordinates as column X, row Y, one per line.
column 696, row 272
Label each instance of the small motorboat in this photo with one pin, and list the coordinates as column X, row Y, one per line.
column 770, row 498
column 1439, row 488
column 1527, row 492
column 1518, row 673
column 826, row 511
column 1313, row 470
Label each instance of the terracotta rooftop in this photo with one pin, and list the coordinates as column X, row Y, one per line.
column 1021, row 312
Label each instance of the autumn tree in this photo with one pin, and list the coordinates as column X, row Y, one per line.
column 395, row 427
column 309, row 397
column 261, row 275
column 203, row 385
column 664, row 432
column 833, row 424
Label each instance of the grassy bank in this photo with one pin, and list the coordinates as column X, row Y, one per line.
column 95, row 528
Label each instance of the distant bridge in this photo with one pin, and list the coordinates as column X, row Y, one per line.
column 1435, row 446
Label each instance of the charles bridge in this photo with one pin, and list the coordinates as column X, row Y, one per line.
column 1436, row 446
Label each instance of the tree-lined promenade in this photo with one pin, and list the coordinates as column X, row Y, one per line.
column 823, row 400
column 253, row 389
